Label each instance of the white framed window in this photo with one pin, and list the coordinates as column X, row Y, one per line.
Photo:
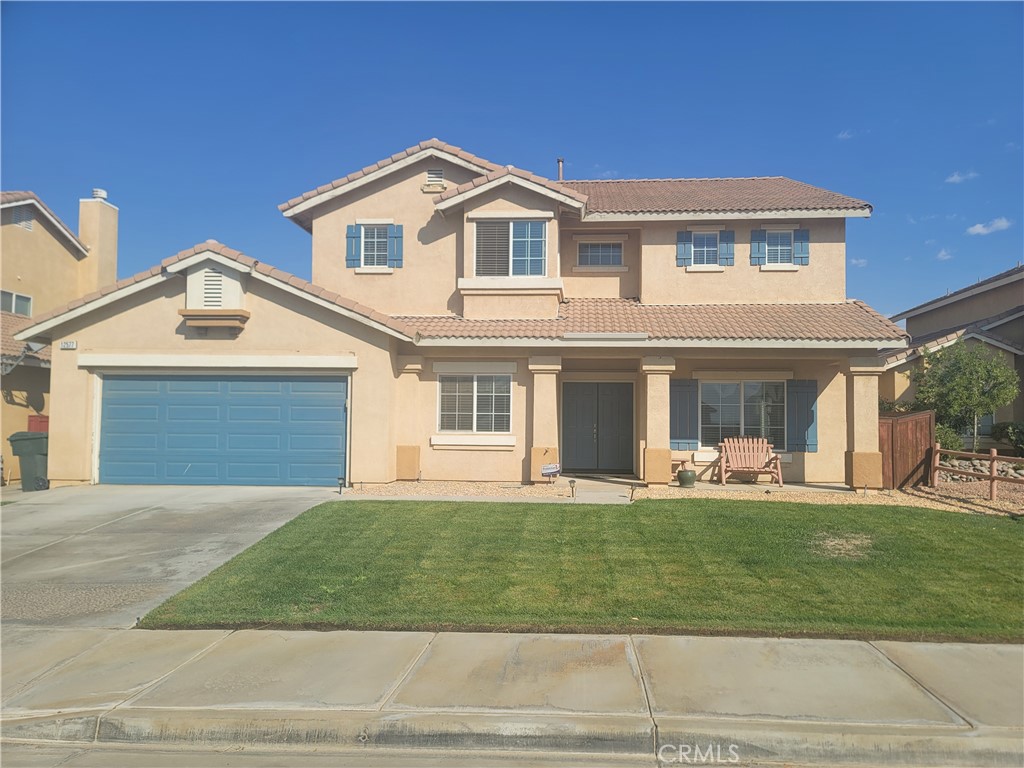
column 742, row 408
column 17, row 303
column 23, row 216
column 705, row 248
column 779, row 246
column 600, row 255
column 375, row 245
column 435, row 176
column 511, row 248
column 475, row 403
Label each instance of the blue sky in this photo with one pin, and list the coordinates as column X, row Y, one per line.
column 200, row 118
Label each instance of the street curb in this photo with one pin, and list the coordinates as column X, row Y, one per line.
column 675, row 741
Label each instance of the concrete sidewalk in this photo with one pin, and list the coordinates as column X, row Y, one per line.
column 610, row 697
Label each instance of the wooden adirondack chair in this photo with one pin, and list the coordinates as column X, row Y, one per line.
column 749, row 455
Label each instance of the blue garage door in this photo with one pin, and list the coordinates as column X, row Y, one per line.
column 223, row 430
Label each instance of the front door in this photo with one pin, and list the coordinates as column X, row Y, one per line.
column 597, row 427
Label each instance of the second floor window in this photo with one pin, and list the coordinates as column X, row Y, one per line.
column 705, row 247
column 600, row 255
column 375, row 245
column 510, row 248
column 780, row 246
column 17, row 303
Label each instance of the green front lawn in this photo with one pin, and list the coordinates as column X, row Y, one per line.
column 693, row 566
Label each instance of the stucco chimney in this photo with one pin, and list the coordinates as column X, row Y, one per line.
column 97, row 229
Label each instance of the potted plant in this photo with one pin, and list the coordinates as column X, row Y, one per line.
column 686, row 477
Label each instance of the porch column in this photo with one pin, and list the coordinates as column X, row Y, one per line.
column 544, row 448
column 863, row 459
column 658, row 452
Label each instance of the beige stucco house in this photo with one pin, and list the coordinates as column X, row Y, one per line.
column 472, row 321
column 43, row 265
column 990, row 312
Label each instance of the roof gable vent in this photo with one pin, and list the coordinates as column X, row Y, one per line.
column 23, row 216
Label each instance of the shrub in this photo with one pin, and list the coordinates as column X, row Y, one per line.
column 948, row 437
column 897, row 406
column 1011, row 432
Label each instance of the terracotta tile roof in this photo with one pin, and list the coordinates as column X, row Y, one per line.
column 8, row 198
column 479, row 181
column 771, row 193
column 429, row 144
column 851, row 321
column 246, row 261
column 939, row 338
column 11, row 324
column 1018, row 270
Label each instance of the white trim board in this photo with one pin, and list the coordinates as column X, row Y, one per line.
column 471, row 367
column 478, row 439
column 75, row 243
column 434, row 152
column 459, row 199
column 207, row 362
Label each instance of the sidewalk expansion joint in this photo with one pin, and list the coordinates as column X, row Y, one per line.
column 928, row 692
column 643, row 685
column 153, row 683
column 388, row 697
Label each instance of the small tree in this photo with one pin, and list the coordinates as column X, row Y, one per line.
column 962, row 383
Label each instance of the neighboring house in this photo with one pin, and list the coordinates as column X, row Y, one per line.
column 43, row 265
column 470, row 321
column 990, row 312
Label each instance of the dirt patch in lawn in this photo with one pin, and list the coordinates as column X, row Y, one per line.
column 851, row 547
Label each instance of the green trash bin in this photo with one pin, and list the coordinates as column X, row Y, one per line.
column 31, row 449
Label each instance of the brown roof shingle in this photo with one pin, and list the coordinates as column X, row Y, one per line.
column 770, row 193
column 11, row 324
column 939, row 338
column 428, row 144
column 502, row 173
column 246, row 261
column 851, row 321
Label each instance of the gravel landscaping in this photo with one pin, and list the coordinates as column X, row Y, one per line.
column 969, row 497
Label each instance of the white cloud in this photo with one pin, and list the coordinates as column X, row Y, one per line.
column 944, row 255
column 844, row 134
column 859, row 262
column 995, row 225
column 931, row 241
column 959, row 178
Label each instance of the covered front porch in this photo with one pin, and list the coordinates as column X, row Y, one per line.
column 642, row 417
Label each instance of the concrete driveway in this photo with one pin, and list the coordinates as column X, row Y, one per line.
column 101, row 556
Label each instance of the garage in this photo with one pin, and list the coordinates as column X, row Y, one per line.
column 223, row 430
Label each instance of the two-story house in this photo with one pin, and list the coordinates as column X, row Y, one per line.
column 473, row 321
column 989, row 312
column 43, row 265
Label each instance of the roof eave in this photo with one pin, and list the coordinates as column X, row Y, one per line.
column 956, row 296
column 59, row 225
column 329, row 192
column 789, row 213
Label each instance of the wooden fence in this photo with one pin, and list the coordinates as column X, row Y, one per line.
column 905, row 441
column 994, row 460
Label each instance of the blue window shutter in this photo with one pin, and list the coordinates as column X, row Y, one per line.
column 802, row 247
column 758, row 247
column 802, row 415
column 726, row 247
column 684, row 249
column 395, row 245
column 683, row 415
column 353, row 251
